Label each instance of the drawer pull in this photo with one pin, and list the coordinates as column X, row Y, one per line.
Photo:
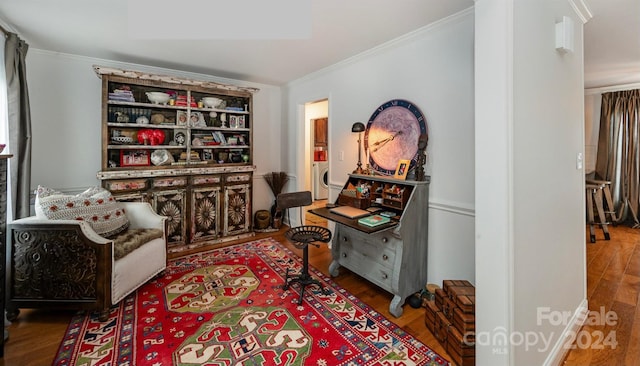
column 385, row 257
column 344, row 238
column 385, row 276
column 344, row 255
column 384, row 240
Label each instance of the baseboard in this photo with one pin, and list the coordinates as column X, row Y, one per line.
column 562, row 346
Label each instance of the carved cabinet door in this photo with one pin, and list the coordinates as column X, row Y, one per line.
column 237, row 209
column 205, row 212
column 171, row 203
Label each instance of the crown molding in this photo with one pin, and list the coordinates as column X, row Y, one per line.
column 394, row 43
column 582, row 10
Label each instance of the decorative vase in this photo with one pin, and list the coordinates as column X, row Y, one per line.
column 263, row 219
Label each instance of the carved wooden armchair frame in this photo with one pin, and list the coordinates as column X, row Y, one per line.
column 64, row 264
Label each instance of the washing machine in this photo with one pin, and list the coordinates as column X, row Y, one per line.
column 320, row 180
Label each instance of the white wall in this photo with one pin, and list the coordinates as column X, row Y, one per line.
column 65, row 95
column 433, row 68
column 530, row 233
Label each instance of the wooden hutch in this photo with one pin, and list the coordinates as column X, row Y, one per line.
column 189, row 155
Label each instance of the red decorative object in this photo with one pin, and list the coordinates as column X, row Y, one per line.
column 151, row 137
column 134, row 158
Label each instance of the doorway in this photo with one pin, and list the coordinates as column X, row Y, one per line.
column 317, row 120
column 317, row 123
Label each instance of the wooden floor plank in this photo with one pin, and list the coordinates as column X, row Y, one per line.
column 633, row 268
column 632, row 356
column 619, row 261
column 606, row 353
column 628, row 290
column 603, row 295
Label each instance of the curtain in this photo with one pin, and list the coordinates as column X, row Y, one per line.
column 618, row 156
column 19, row 121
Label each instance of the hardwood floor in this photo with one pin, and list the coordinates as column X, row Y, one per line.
column 613, row 284
column 613, row 281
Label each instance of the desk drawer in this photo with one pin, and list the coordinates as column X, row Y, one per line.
column 372, row 256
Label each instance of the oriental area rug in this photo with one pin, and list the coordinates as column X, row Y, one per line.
column 228, row 307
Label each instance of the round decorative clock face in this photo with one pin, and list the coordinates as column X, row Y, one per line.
column 392, row 135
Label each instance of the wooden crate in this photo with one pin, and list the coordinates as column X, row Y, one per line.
column 441, row 328
column 431, row 311
column 448, row 306
column 464, row 322
column 446, row 284
column 454, row 291
column 461, row 349
column 440, row 296
column 466, row 303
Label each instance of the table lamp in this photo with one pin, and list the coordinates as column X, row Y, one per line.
column 358, row 127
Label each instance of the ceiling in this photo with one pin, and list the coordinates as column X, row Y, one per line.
column 339, row 30
column 612, row 43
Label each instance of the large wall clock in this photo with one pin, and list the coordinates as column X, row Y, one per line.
column 392, row 135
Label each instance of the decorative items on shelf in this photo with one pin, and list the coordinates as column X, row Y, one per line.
column 134, row 158
column 161, row 157
column 158, row 97
column 211, row 102
column 151, row 137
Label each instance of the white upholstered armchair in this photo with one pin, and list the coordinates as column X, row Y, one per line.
column 66, row 264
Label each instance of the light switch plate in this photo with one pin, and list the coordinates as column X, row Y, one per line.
column 579, row 161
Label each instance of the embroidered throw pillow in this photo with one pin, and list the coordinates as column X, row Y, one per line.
column 96, row 206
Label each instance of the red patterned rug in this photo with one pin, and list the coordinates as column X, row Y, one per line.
column 227, row 307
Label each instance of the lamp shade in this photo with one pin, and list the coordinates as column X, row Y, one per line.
column 357, row 127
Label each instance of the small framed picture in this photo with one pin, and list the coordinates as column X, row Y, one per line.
column 207, row 154
column 241, row 123
column 402, row 169
column 197, row 120
column 134, row 158
column 180, row 138
column 181, row 118
column 233, row 121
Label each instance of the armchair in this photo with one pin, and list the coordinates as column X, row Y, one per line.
column 64, row 264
